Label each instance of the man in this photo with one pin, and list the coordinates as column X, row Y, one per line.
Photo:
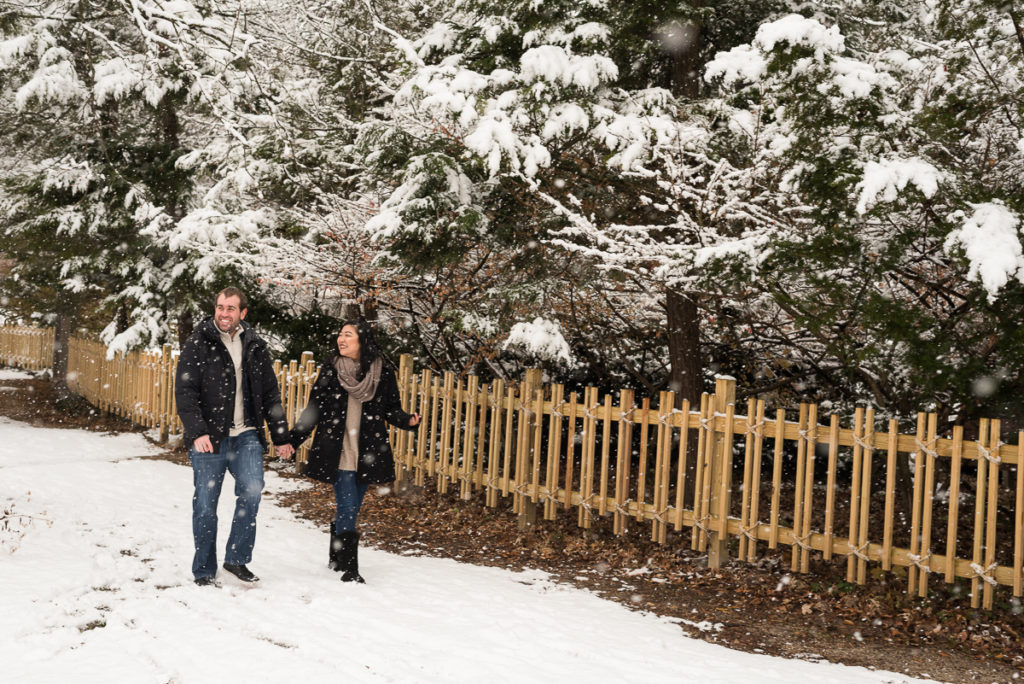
column 225, row 388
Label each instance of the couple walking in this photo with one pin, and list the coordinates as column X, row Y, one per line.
column 225, row 389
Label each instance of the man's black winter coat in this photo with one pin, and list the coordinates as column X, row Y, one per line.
column 204, row 387
column 326, row 411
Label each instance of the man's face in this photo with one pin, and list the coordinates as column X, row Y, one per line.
column 227, row 314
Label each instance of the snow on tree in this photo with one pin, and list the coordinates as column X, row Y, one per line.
column 133, row 151
column 822, row 199
column 517, row 130
column 990, row 241
column 892, row 128
column 542, row 338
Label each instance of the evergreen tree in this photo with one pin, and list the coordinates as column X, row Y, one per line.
column 115, row 111
column 904, row 281
column 564, row 135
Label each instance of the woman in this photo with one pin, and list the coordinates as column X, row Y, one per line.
column 353, row 397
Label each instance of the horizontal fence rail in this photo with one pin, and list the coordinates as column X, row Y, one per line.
column 713, row 478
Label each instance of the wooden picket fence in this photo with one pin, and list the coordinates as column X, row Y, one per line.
column 26, row 347
column 139, row 385
column 710, row 477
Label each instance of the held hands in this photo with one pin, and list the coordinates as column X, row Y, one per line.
column 203, row 446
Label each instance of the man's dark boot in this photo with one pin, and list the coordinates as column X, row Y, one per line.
column 241, row 572
column 349, row 557
column 334, row 559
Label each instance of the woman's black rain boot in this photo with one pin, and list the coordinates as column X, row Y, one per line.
column 334, row 559
column 348, row 556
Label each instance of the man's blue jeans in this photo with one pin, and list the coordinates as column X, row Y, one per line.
column 349, row 495
column 242, row 456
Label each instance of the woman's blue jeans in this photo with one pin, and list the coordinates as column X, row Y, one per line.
column 349, row 495
column 242, row 456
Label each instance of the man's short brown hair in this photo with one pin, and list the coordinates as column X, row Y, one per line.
column 243, row 301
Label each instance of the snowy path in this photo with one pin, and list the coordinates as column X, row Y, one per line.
column 104, row 594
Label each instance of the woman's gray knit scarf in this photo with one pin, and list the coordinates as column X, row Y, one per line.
column 348, row 372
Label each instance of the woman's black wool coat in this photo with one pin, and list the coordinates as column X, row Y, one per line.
column 326, row 411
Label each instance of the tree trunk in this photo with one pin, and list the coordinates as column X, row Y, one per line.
column 370, row 310
column 121, row 322
column 169, row 130
column 186, row 325
column 686, row 375
column 351, row 311
column 61, row 349
column 685, row 50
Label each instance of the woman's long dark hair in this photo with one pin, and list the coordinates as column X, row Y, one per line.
column 368, row 349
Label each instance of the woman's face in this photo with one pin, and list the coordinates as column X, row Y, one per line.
column 348, row 342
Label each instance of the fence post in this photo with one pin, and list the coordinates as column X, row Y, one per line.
column 401, row 436
column 721, row 474
column 164, row 392
column 528, row 507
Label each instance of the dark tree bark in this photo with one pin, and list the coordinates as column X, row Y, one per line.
column 370, row 310
column 169, row 132
column 686, row 366
column 686, row 374
column 169, row 128
column 66, row 319
column 351, row 311
column 686, row 52
column 686, row 377
column 186, row 324
column 122, row 318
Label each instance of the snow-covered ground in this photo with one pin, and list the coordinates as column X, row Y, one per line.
column 95, row 587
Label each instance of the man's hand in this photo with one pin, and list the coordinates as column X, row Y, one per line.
column 285, row 451
column 415, row 420
column 203, row 445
